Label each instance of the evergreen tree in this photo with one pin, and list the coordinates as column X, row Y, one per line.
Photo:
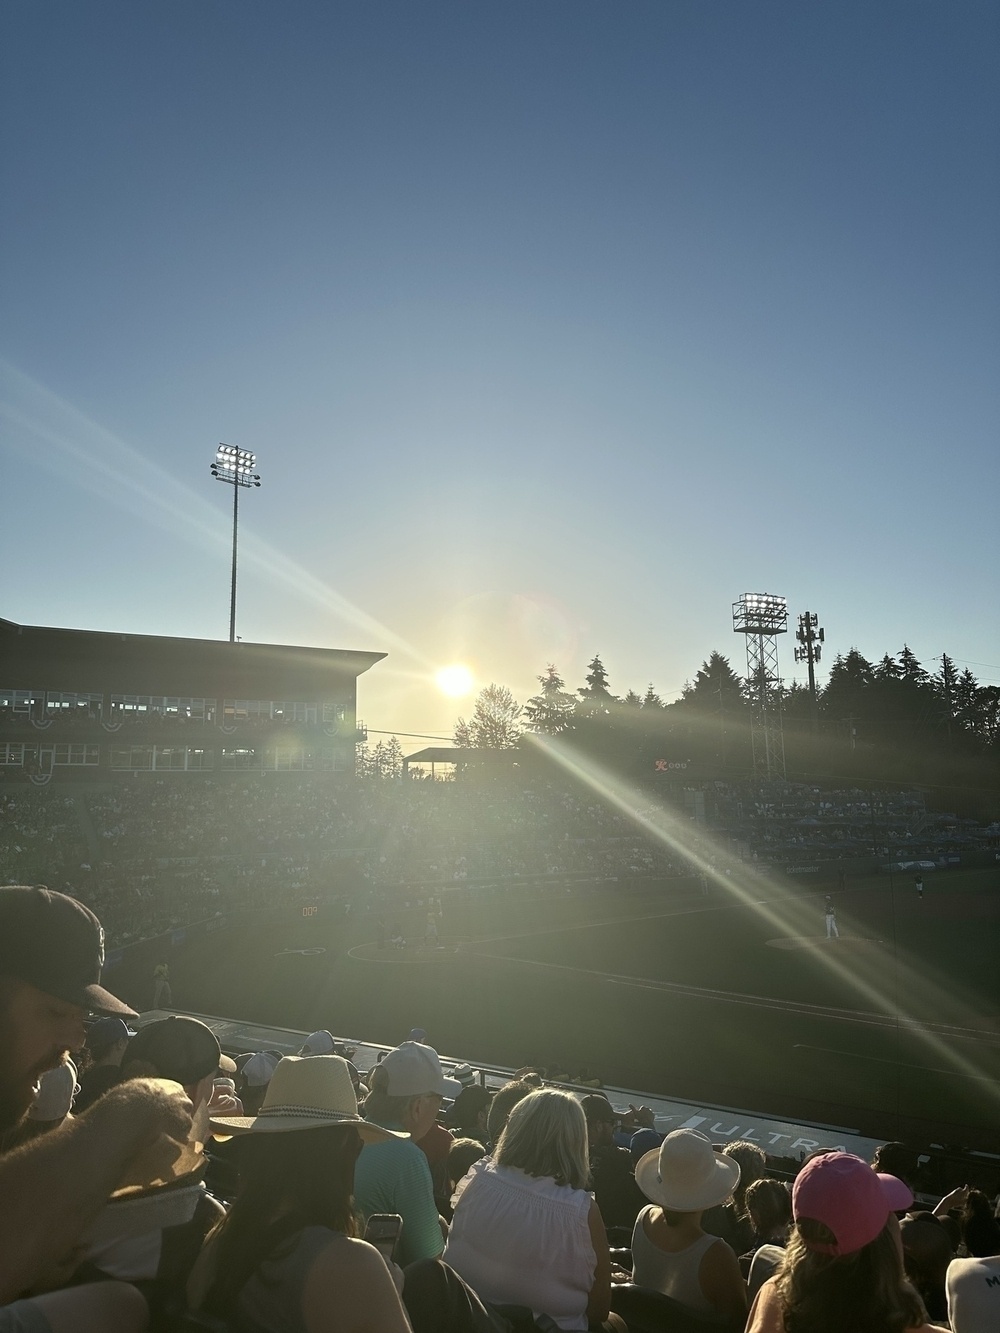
column 651, row 699
column 716, row 687
column 887, row 669
column 551, row 712
column 945, row 684
column 495, row 721
column 909, row 668
column 632, row 700
column 967, row 701
column 596, row 699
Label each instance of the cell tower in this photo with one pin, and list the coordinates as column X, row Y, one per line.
column 810, row 636
column 762, row 617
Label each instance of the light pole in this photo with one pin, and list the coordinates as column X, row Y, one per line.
column 761, row 617
column 236, row 468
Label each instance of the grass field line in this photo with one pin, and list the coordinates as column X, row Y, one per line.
column 756, row 1001
column 473, row 941
column 880, row 1060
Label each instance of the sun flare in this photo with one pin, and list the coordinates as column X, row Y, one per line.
column 454, row 681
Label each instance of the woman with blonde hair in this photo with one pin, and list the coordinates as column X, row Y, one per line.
column 843, row 1267
column 525, row 1231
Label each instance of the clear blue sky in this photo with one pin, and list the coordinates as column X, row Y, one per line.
column 555, row 326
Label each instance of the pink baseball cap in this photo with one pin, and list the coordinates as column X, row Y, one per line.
column 847, row 1196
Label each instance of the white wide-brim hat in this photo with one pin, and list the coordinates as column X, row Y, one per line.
column 685, row 1174
column 306, row 1092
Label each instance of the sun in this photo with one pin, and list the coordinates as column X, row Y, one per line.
column 454, row 680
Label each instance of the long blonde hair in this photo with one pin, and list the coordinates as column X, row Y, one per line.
column 546, row 1135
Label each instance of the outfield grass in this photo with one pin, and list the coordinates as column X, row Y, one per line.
column 529, row 983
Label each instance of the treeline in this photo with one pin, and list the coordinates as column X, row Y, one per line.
column 890, row 722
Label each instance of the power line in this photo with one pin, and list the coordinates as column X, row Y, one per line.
column 412, row 735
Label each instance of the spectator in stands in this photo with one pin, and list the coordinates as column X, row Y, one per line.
column 896, row 1159
column 286, row 1256
column 729, row 1220
column 843, row 1267
column 393, row 1175
column 671, row 1252
column 318, row 1043
column 973, row 1287
column 51, row 950
column 435, row 1145
column 980, row 1229
column 461, row 1155
column 927, row 1252
column 769, row 1209
column 525, row 1230
column 501, row 1106
column 768, row 1206
column 611, row 1172
column 187, row 1052
column 106, row 1043
column 254, row 1074
column 469, row 1114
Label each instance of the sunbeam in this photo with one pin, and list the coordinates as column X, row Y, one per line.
column 119, row 474
column 730, row 874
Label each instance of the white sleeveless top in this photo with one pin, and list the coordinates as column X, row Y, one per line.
column 675, row 1274
column 523, row 1240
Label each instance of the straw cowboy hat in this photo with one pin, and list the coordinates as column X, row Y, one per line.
column 306, row 1092
column 685, row 1174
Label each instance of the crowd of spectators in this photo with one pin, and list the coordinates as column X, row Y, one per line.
column 155, row 853
column 783, row 821
column 179, row 1189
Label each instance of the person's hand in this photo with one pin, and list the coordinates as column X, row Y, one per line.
column 955, row 1199
column 224, row 1102
column 638, row 1117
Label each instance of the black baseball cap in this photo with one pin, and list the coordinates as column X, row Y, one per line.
column 180, row 1048
column 55, row 943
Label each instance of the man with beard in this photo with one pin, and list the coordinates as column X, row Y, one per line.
column 51, row 952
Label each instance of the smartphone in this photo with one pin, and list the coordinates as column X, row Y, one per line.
column 382, row 1231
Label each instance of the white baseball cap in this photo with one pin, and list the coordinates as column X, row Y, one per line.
column 414, row 1070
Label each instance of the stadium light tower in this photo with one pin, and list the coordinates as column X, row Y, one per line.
column 810, row 637
column 762, row 617
column 236, row 468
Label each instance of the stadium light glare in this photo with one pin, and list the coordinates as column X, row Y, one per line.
column 235, row 467
column 789, row 917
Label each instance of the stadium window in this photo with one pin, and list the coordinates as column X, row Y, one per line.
column 12, row 755
column 334, row 713
column 134, row 757
column 169, row 757
column 240, row 759
column 19, row 701
column 200, row 759
column 284, row 759
column 76, row 755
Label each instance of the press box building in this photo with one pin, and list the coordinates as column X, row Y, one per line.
column 88, row 705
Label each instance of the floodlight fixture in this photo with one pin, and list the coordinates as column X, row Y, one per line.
column 235, row 467
column 760, row 613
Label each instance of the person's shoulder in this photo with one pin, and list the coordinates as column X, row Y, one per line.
column 766, row 1312
column 341, row 1254
column 719, row 1255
